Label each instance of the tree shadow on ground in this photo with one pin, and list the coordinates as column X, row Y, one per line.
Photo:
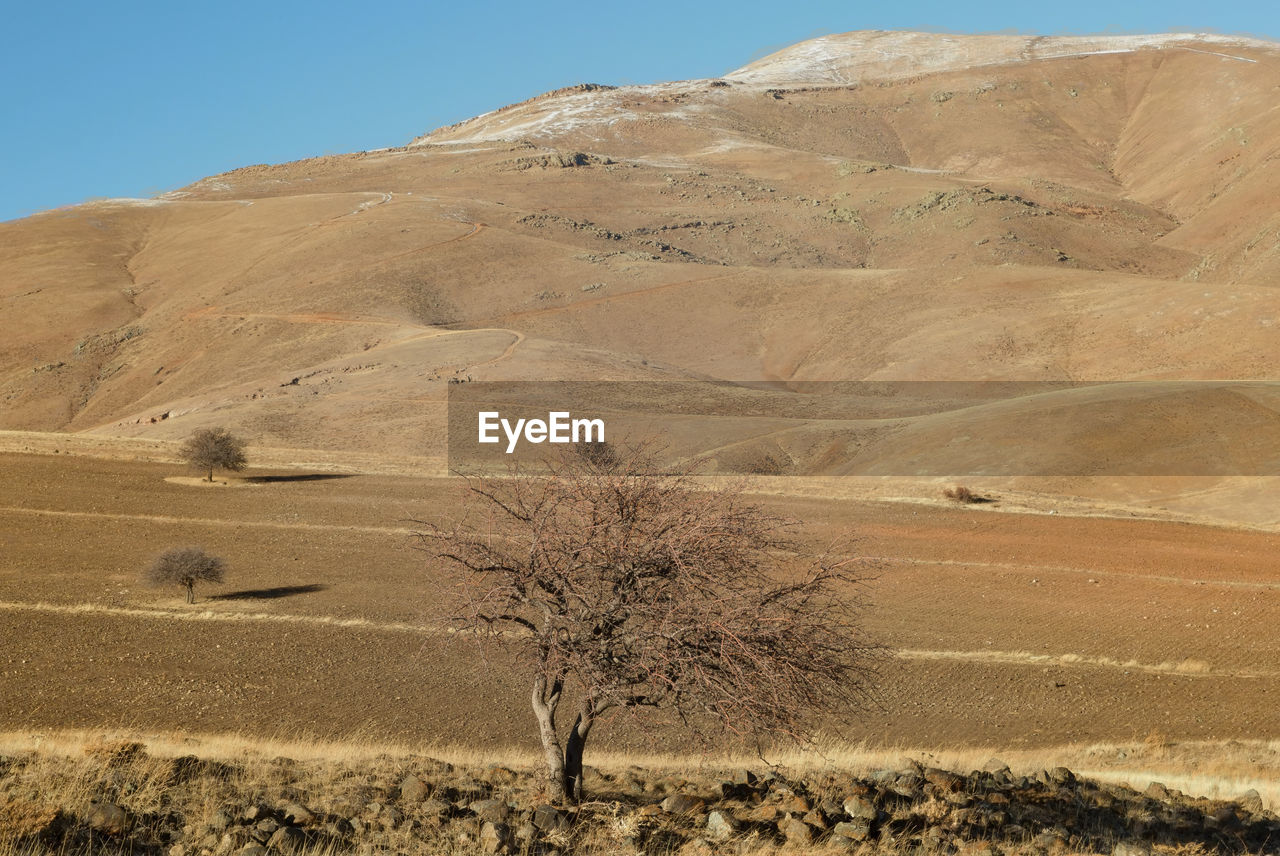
column 270, row 593
column 301, row 477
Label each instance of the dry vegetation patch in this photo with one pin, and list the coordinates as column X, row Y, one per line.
column 108, row 795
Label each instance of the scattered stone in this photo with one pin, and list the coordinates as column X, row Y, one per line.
column 496, row 838
column 859, row 807
column 493, row 811
column 435, row 809
column 107, row 817
column 413, row 789
column 721, row 825
column 682, row 804
column 287, row 840
column 499, row 775
column 265, row 828
column 794, row 804
column 549, row 818
column 796, row 831
column 944, row 780
column 1157, row 791
column 1132, row 848
column 854, row 830
column 1251, row 801
column 297, row 814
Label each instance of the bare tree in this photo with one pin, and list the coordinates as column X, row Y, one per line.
column 627, row 591
column 185, row 566
column 214, row 448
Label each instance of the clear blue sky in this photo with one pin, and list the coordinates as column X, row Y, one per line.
column 135, row 97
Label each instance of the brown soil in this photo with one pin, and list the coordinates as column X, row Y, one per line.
column 1006, row 629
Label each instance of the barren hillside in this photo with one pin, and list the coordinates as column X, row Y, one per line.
column 869, row 206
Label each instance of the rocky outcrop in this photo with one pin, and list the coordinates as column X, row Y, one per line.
column 418, row 806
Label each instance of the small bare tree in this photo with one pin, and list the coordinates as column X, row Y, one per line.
column 628, row 591
column 214, row 448
column 185, row 566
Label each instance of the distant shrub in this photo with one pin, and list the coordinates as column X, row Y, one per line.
column 185, row 566
column 210, row 448
column 598, row 453
column 963, row 495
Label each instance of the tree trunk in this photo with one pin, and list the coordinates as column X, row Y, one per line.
column 210, row 474
column 573, row 754
column 544, row 708
column 191, row 593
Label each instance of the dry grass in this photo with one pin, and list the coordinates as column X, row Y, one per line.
column 65, row 769
column 1216, row 770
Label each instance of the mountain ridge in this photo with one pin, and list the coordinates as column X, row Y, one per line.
column 1098, row 217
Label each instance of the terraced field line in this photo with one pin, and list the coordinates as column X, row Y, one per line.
column 1188, row 668
column 98, row 610
column 398, row 530
column 207, row 521
column 1065, row 569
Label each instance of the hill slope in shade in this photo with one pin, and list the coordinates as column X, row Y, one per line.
column 878, row 206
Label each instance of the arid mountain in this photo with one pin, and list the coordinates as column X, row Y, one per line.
column 869, row 206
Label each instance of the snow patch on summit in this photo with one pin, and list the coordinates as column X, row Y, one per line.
column 851, row 58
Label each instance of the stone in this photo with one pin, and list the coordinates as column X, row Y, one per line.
column 297, row 814
column 943, row 780
column 493, row 811
column 413, row 789
column 736, row 791
column 287, row 840
column 907, row 786
column 721, row 825
column 1062, row 776
column 854, row 830
column 340, row 828
column 233, row 839
column 107, row 817
column 796, row 831
column 1251, row 801
column 816, row 819
column 495, row 837
column 548, row 818
column 859, row 807
column 794, row 804
column 435, row 809
column 265, row 828
column 252, row 849
column 979, row 848
column 697, row 847
column 1049, row 842
column 682, row 804
column 1131, row 848
column 499, row 775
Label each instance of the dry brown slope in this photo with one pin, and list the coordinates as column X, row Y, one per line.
column 1009, row 208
